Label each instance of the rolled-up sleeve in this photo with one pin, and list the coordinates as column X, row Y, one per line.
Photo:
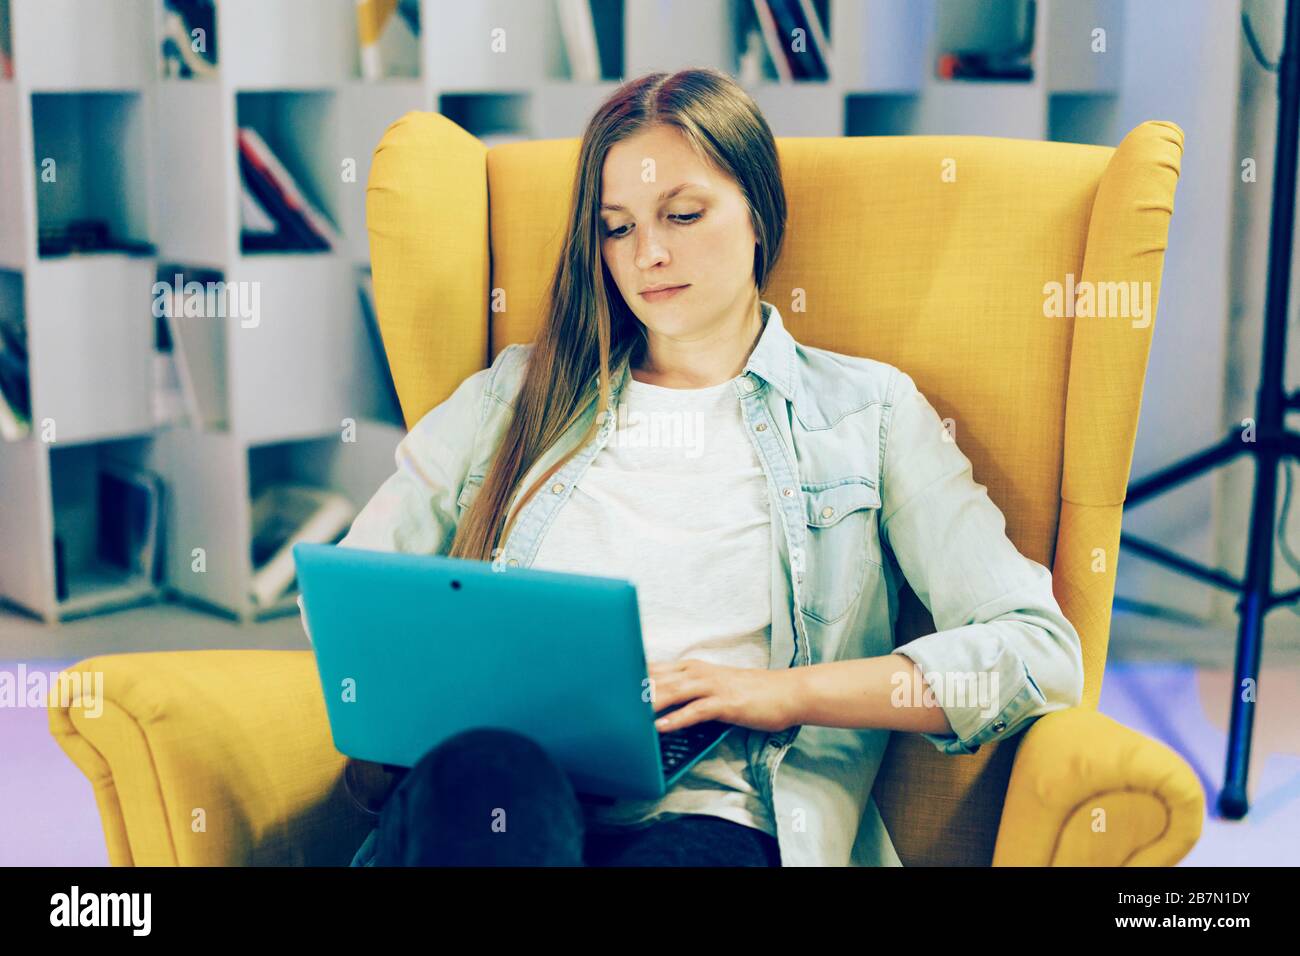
column 414, row 510
column 1003, row 653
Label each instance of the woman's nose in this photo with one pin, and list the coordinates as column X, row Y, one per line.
column 650, row 250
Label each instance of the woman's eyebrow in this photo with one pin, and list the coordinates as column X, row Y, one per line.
column 666, row 194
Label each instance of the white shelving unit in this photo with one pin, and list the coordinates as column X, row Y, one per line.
column 156, row 157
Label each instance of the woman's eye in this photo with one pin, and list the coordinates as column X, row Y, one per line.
column 685, row 218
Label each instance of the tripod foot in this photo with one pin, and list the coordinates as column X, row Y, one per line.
column 1233, row 803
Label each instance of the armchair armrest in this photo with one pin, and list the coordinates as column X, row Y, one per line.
column 211, row 758
column 1087, row 791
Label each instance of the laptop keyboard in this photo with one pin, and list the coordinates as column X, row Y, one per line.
column 681, row 746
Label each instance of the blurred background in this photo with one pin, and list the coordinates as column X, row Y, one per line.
column 167, row 159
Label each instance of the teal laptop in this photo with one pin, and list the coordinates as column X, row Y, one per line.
column 412, row 649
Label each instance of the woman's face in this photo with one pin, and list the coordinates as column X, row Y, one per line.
column 657, row 234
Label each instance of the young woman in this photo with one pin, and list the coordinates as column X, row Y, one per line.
column 767, row 499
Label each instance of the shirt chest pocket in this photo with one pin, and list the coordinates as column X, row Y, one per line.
column 468, row 492
column 842, row 545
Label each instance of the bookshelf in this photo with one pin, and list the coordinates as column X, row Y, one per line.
column 299, row 394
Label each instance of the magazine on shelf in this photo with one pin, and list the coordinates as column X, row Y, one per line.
column 283, row 515
column 279, row 194
column 388, row 36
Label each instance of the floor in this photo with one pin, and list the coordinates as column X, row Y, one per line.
column 1171, row 681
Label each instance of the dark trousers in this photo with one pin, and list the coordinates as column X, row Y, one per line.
column 493, row 797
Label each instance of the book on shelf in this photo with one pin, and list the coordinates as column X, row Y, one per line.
column 252, row 216
column 87, row 236
column 388, row 37
column 187, row 32
column 592, row 34
column 197, row 343
column 283, row 515
column 301, row 226
column 785, row 23
column 130, row 519
column 578, row 28
column 366, row 293
column 15, row 391
column 168, row 394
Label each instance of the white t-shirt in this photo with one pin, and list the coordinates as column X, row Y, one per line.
column 677, row 503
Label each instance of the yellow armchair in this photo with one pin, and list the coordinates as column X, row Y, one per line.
column 938, row 254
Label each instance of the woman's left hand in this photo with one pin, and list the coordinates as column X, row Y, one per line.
column 746, row 696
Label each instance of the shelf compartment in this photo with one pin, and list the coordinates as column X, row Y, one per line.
column 181, row 27
column 91, row 164
column 85, row 580
column 753, row 60
column 301, row 129
column 493, row 117
column 1083, row 118
column 307, row 362
column 880, row 114
column 395, row 56
column 353, row 469
column 196, row 323
column 999, row 40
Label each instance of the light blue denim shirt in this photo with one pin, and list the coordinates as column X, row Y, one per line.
column 867, row 488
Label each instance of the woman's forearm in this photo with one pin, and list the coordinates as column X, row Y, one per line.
column 885, row 692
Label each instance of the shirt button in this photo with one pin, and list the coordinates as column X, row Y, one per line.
column 749, row 385
column 827, row 512
column 999, row 726
column 788, row 492
column 760, row 427
column 557, row 487
column 513, row 562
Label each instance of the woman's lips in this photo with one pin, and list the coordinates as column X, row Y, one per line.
column 663, row 293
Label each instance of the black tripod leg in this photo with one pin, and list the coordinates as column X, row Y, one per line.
column 1254, row 605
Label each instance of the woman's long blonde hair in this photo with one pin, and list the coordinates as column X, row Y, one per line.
column 589, row 329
